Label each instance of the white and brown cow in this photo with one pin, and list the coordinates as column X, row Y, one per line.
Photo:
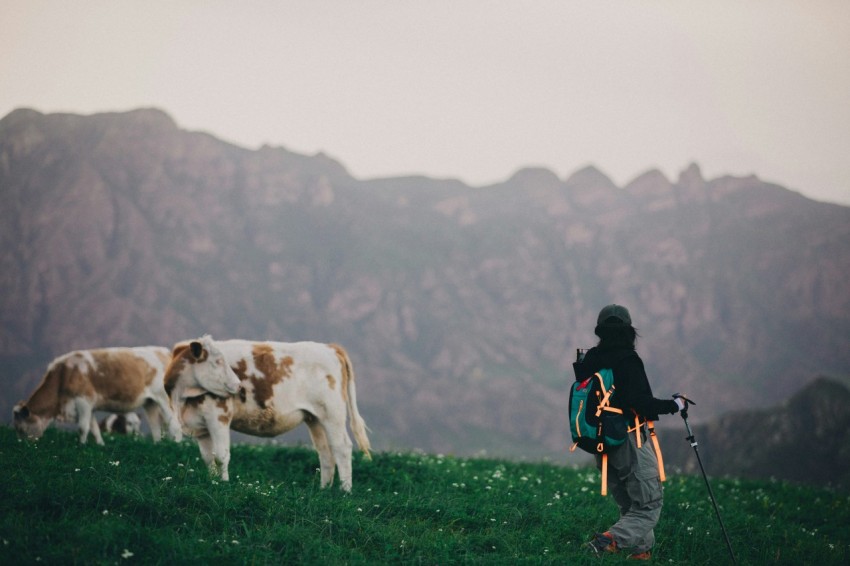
column 121, row 423
column 108, row 379
column 281, row 386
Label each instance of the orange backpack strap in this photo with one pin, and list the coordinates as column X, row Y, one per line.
column 638, row 440
column 606, row 399
column 657, row 450
column 604, row 475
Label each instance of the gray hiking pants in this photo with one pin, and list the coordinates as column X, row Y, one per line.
column 634, row 482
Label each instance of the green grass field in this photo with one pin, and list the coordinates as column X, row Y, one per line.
column 134, row 502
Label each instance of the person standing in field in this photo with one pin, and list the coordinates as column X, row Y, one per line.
column 633, row 472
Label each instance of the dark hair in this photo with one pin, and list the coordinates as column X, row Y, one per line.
column 616, row 337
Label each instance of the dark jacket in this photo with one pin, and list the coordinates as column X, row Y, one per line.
column 632, row 386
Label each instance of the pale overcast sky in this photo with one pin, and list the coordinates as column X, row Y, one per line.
column 472, row 90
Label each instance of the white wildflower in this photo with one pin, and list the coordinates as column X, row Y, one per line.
column 126, row 554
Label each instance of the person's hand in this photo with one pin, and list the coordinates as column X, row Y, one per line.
column 680, row 402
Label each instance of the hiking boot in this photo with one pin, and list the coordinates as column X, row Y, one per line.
column 645, row 555
column 603, row 543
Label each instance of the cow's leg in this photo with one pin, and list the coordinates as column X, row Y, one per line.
column 326, row 457
column 154, row 416
column 85, row 419
column 220, row 436
column 95, row 430
column 168, row 416
column 340, row 445
column 205, row 445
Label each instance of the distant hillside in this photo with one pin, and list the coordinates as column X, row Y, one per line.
column 460, row 306
column 806, row 439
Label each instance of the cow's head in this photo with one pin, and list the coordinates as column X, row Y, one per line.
column 202, row 367
column 28, row 424
column 128, row 423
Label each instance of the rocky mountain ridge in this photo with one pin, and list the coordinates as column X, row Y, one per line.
column 460, row 306
column 804, row 440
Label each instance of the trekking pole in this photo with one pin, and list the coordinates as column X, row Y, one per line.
column 690, row 438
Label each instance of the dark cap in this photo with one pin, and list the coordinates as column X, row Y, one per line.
column 613, row 316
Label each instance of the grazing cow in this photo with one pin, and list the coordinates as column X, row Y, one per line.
column 281, row 386
column 121, row 423
column 109, row 379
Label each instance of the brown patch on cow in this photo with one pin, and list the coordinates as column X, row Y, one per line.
column 44, row 401
column 195, row 402
column 264, row 360
column 286, row 366
column 74, row 380
column 273, row 372
column 241, row 370
column 119, row 376
column 347, row 372
column 331, row 381
column 222, row 404
column 175, row 367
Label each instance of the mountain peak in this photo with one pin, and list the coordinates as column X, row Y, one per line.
column 592, row 177
column 691, row 177
column 19, row 115
column 535, row 176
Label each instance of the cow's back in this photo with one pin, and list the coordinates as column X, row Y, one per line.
column 123, row 375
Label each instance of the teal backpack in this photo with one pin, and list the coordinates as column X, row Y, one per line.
column 595, row 425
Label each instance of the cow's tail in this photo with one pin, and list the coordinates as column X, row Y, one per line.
column 349, row 391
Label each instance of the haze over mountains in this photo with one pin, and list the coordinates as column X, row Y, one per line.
column 461, row 307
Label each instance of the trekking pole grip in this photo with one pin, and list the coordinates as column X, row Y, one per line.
column 687, row 402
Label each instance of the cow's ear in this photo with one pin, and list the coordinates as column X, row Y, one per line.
column 21, row 412
column 197, row 349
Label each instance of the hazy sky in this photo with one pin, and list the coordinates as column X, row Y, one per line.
column 463, row 89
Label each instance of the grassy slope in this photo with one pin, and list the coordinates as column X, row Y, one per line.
column 135, row 502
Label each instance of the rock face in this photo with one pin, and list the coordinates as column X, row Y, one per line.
column 806, row 440
column 460, row 306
